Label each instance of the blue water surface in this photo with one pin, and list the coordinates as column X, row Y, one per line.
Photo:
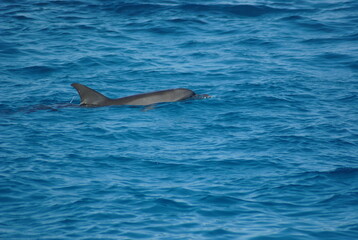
column 272, row 155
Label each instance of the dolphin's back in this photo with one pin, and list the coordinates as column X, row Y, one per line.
column 170, row 95
column 90, row 97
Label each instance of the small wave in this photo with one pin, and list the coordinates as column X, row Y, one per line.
column 232, row 9
column 239, row 10
column 136, row 8
column 218, row 233
column 341, row 199
column 163, row 205
column 351, row 37
column 335, row 56
column 7, row 109
column 188, row 21
column 165, row 30
column 90, row 61
column 308, row 23
column 73, row 3
column 292, row 18
column 343, row 173
column 22, row 18
column 330, row 40
column 354, row 65
column 34, row 70
column 349, row 98
column 10, row 51
column 258, row 42
column 220, row 213
column 221, row 200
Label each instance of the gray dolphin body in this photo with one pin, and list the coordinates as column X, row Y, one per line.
column 92, row 98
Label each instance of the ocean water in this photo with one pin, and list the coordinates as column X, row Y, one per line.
column 272, row 155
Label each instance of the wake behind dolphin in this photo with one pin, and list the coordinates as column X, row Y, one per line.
column 92, row 98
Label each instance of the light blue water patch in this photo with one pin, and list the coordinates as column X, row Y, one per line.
column 272, row 155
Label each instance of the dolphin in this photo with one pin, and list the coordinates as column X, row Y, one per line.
column 92, row 98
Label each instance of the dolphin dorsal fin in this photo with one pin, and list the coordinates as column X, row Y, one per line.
column 90, row 96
